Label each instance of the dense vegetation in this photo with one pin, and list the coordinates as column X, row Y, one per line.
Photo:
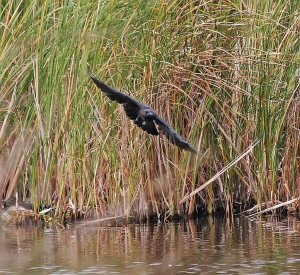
column 223, row 73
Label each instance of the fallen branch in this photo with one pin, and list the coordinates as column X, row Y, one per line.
column 227, row 167
column 274, row 207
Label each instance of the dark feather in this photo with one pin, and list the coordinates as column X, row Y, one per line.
column 110, row 92
column 151, row 128
column 172, row 136
column 147, row 125
column 131, row 106
column 132, row 110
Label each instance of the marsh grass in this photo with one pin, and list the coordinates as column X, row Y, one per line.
column 223, row 73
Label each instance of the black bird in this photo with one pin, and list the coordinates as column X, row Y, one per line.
column 144, row 116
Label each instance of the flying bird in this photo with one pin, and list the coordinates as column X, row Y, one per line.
column 144, row 116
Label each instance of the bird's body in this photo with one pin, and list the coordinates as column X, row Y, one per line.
column 144, row 116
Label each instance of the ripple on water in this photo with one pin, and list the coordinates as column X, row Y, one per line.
column 293, row 260
column 207, row 247
column 155, row 264
column 5, row 271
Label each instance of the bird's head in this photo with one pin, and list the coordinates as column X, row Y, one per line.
column 147, row 113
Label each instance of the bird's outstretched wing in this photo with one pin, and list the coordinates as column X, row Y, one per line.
column 172, row 136
column 131, row 106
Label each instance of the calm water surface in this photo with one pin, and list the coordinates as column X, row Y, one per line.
column 208, row 246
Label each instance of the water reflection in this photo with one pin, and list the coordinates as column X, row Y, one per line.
column 205, row 246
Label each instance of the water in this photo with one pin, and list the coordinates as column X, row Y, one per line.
column 208, row 246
